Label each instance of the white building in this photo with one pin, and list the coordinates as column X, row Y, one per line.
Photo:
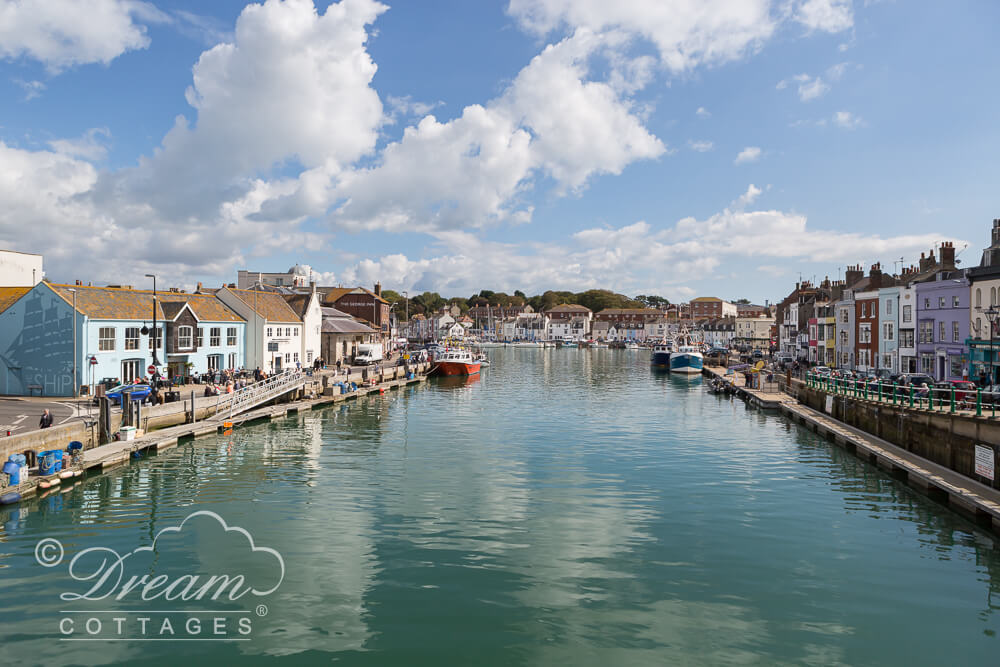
column 756, row 331
column 20, row 269
column 274, row 330
column 297, row 276
column 310, row 310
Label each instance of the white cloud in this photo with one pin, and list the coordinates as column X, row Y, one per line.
column 748, row 154
column 63, row 33
column 702, row 112
column 701, row 146
column 88, row 147
column 468, row 172
column 687, row 33
column 826, row 15
column 810, row 87
column 634, row 258
column 406, row 106
column 846, row 120
column 32, row 89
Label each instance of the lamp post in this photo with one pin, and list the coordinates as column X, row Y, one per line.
column 154, row 332
column 76, row 387
column 993, row 315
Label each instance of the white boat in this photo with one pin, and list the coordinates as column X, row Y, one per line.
column 686, row 355
column 527, row 343
column 631, row 346
column 600, row 346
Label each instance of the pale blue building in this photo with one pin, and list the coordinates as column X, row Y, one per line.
column 197, row 333
column 888, row 329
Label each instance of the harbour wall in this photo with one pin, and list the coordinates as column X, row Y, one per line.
column 946, row 439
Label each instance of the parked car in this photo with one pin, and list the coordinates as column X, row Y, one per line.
column 137, row 392
column 822, row 370
column 965, row 391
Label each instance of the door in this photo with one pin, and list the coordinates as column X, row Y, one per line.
column 277, row 363
column 941, row 368
column 131, row 369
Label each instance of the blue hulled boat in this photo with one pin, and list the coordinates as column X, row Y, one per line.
column 661, row 355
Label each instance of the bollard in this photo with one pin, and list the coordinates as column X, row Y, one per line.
column 952, row 399
column 979, row 402
column 911, row 395
column 930, row 399
column 880, row 391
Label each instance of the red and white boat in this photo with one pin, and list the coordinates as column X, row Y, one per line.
column 455, row 361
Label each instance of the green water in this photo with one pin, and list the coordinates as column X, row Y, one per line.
column 570, row 507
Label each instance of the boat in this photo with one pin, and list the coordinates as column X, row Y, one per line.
column 661, row 354
column 527, row 343
column 599, row 346
column 631, row 346
column 455, row 361
column 685, row 356
column 10, row 497
column 569, row 343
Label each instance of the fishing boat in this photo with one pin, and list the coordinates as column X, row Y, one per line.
column 661, row 354
column 686, row 355
column 455, row 361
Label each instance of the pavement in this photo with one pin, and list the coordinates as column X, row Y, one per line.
column 21, row 414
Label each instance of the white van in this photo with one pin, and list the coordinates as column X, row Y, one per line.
column 368, row 354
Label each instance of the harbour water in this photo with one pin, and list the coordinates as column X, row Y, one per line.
column 569, row 506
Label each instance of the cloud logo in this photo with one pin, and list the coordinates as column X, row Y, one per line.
column 217, row 569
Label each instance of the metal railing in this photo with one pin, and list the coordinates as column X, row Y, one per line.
column 938, row 399
column 258, row 392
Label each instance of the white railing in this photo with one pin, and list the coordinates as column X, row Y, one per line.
column 258, row 392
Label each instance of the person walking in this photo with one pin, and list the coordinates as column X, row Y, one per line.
column 46, row 420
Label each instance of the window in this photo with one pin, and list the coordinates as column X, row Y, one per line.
column 295, row 332
column 927, row 304
column 941, row 302
column 907, row 313
column 270, row 332
column 214, row 362
column 131, row 338
column 288, row 332
column 865, row 333
column 295, row 356
column 231, row 336
column 941, row 332
column 863, row 357
column 288, row 357
column 888, row 306
column 887, row 361
column 993, row 296
column 843, row 315
column 927, row 332
column 843, row 337
column 106, row 339
column 157, row 335
column 955, row 364
column 309, row 356
column 215, row 336
column 200, row 341
column 955, row 302
column 954, row 332
column 979, row 298
column 864, row 310
column 184, row 335
column 232, row 360
column 887, row 331
column 906, row 338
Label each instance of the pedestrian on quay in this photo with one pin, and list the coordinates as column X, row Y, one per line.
column 46, row 420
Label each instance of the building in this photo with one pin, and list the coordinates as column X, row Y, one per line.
column 569, row 321
column 629, row 323
column 720, row 332
column 20, row 269
column 826, row 334
column 984, row 295
column 907, row 344
column 274, row 330
column 362, row 304
column 114, row 336
column 307, row 307
column 888, row 329
column 943, row 326
column 754, row 331
column 845, row 329
column 341, row 335
column 297, row 276
column 530, row 326
column 710, row 307
column 866, row 323
column 752, row 310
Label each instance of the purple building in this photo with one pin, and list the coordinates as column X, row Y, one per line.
column 943, row 326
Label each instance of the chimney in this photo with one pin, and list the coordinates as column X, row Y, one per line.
column 312, row 287
column 875, row 274
column 378, row 289
column 947, row 253
column 853, row 275
column 927, row 261
column 199, row 288
column 996, row 232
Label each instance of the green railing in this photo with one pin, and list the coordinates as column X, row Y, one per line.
column 937, row 399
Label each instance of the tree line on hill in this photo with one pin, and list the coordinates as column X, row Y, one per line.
column 595, row 299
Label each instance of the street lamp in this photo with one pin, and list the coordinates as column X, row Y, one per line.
column 154, row 332
column 993, row 315
column 76, row 387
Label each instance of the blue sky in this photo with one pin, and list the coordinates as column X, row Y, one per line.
column 525, row 144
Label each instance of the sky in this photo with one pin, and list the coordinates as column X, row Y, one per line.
column 674, row 147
